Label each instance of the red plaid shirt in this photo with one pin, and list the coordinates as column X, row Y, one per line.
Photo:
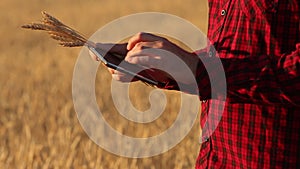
column 258, row 42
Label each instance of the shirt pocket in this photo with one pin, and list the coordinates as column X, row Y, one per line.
column 259, row 9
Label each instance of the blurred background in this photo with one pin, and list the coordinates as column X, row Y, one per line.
column 38, row 124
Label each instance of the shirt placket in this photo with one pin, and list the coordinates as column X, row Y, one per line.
column 222, row 13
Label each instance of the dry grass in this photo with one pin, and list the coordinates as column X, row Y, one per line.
column 38, row 124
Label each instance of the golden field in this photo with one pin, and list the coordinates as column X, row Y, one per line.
column 38, row 124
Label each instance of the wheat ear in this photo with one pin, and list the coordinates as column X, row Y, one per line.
column 66, row 36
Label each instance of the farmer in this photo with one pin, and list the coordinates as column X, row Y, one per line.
column 258, row 42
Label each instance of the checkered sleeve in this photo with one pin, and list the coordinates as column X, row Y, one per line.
column 257, row 79
column 260, row 79
column 263, row 79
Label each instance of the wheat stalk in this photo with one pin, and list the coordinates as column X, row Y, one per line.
column 66, row 36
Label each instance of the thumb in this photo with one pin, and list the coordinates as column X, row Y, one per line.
column 142, row 37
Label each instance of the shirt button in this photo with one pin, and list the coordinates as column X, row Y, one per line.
column 210, row 53
column 223, row 12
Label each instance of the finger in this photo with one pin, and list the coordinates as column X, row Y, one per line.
column 150, row 57
column 139, row 58
column 145, row 61
column 141, row 46
column 119, row 76
column 142, row 37
column 111, row 71
column 140, row 50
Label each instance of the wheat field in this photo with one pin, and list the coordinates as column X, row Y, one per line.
column 38, row 124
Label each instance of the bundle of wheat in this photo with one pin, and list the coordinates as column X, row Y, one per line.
column 69, row 37
column 66, row 36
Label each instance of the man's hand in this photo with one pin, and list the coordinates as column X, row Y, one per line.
column 167, row 59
